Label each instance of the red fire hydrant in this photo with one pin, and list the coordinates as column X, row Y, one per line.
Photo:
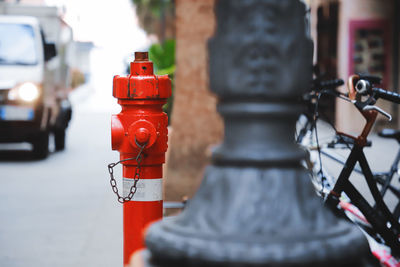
column 139, row 132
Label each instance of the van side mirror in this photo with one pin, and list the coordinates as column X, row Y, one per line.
column 49, row 51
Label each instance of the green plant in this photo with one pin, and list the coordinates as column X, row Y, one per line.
column 163, row 57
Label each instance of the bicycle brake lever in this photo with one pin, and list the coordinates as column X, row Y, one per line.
column 384, row 113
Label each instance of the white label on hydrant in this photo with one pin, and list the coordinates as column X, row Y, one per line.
column 147, row 189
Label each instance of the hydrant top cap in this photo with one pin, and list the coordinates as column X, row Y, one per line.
column 141, row 83
column 141, row 56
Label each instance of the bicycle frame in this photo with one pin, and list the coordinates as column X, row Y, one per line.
column 378, row 220
column 379, row 216
column 382, row 178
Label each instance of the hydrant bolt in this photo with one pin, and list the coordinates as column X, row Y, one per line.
column 142, row 135
column 141, row 56
column 142, row 131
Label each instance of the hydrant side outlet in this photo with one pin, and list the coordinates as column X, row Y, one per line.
column 140, row 129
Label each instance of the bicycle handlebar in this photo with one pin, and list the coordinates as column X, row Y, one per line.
column 328, row 84
column 387, row 95
column 364, row 87
column 372, row 79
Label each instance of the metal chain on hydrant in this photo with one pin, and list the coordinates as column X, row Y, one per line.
column 113, row 182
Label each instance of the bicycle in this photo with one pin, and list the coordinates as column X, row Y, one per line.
column 376, row 220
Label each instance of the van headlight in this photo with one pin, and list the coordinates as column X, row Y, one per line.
column 27, row 92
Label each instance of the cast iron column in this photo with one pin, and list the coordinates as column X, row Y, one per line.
column 256, row 205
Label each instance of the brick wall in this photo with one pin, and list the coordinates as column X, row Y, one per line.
column 195, row 123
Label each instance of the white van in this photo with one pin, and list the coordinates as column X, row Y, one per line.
column 33, row 89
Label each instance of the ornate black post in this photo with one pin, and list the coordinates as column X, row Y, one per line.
column 256, row 205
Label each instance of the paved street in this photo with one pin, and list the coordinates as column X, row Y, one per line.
column 61, row 211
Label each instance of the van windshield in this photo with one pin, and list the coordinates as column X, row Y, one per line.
column 17, row 45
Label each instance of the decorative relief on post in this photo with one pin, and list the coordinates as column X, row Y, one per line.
column 260, row 49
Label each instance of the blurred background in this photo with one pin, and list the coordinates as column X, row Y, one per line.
column 56, row 205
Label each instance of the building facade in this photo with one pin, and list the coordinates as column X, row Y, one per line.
column 357, row 36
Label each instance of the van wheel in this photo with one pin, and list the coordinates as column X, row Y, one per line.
column 59, row 139
column 41, row 145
